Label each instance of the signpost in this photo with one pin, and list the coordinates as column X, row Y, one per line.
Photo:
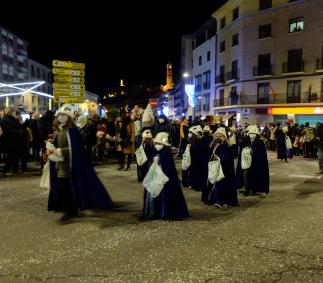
column 69, row 82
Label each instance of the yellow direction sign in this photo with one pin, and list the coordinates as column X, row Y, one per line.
column 66, row 92
column 67, row 99
column 76, row 73
column 68, row 79
column 68, row 65
column 69, row 86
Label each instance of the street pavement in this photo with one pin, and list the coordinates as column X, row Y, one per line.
column 272, row 238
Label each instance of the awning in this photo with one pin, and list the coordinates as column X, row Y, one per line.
column 228, row 116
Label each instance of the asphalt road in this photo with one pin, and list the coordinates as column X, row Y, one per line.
column 273, row 238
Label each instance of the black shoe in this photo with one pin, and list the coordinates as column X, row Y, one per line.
column 126, row 169
column 120, row 168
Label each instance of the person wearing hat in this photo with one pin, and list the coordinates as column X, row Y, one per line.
column 148, row 146
column 170, row 204
column 255, row 179
column 74, row 184
column 195, row 170
column 223, row 192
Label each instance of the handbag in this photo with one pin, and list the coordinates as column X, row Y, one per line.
column 186, row 161
column 215, row 173
column 155, row 179
column 141, row 156
column 45, row 177
column 288, row 142
column 246, row 158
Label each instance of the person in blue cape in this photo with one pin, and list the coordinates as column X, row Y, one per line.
column 206, row 152
column 170, row 204
column 223, row 192
column 254, row 179
column 148, row 146
column 74, row 184
column 195, row 170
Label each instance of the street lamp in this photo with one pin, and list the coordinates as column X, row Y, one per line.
column 186, row 75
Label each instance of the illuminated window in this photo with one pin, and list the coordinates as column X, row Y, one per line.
column 296, row 24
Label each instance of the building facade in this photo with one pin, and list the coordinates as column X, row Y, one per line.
column 36, row 101
column 14, row 64
column 269, row 61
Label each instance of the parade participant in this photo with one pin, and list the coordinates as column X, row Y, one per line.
column 127, row 135
column 195, row 170
column 255, row 179
column 319, row 140
column 206, row 152
column 183, row 132
column 148, row 147
column 170, row 204
column 74, row 184
column 223, row 192
column 281, row 144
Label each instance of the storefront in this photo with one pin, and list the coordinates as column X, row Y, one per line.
column 300, row 115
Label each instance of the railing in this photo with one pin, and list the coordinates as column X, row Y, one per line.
column 262, row 70
column 319, row 64
column 280, row 98
column 206, row 85
column 290, row 68
column 233, row 75
column 220, row 79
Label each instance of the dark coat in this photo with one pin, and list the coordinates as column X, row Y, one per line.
column 87, row 190
column 224, row 192
column 206, row 153
column 150, row 153
column 281, row 145
column 170, row 204
column 196, row 171
column 12, row 132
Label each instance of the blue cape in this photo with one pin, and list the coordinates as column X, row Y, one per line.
column 87, row 189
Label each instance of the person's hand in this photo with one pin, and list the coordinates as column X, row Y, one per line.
column 156, row 158
column 216, row 157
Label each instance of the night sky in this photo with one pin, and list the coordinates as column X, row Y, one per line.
column 119, row 40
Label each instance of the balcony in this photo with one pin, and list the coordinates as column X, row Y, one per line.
column 319, row 64
column 220, row 79
column 233, row 75
column 293, row 68
column 281, row 98
column 22, row 52
column 262, row 71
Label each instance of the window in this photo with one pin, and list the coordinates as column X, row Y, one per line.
column 294, row 91
column 48, row 77
column 234, row 98
column 235, row 39
column 32, row 71
column 264, row 31
column 208, row 56
column 295, row 61
column 5, row 68
column 234, row 70
column 221, row 97
column 44, row 75
column 198, row 83
column 263, row 94
column 11, row 70
column 265, row 4
column 222, row 74
column 264, row 64
column 206, row 100
column 222, row 46
column 222, row 22
column 200, row 60
column 235, row 14
column 4, row 49
column 38, row 73
column 296, row 24
column 207, row 80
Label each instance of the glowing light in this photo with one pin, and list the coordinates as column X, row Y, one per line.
column 190, row 92
column 186, row 75
column 166, row 110
column 295, row 110
column 16, row 86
